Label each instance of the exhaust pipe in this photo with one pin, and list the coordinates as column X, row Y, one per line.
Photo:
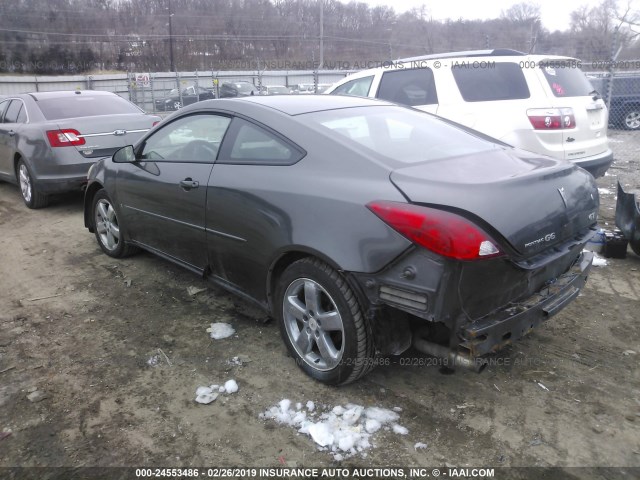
column 454, row 359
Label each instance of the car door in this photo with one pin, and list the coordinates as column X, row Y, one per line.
column 241, row 222
column 12, row 117
column 162, row 195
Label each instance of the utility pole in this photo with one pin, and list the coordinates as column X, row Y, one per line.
column 172, row 64
column 321, row 33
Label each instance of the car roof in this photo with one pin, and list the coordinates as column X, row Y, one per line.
column 299, row 104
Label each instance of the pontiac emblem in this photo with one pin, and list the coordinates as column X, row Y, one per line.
column 120, row 132
column 564, row 200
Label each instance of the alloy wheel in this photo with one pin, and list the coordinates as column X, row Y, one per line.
column 107, row 226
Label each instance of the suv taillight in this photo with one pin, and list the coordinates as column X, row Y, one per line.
column 551, row 118
column 444, row 233
column 65, row 138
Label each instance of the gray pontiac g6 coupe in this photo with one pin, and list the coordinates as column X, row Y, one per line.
column 364, row 228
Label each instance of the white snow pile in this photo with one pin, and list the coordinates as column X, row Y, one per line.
column 206, row 395
column 220, row 330
column 604, row 191
column 599, row 261
column 344, row 431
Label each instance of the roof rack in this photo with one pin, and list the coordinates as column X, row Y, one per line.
column 496, row 52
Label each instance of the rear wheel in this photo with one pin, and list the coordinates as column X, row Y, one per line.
column 631, row 118
column 108, row 230
column 177, row 105
column 30, row 194
column 322, row 324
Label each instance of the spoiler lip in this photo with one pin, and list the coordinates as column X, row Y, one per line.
column 628, row 217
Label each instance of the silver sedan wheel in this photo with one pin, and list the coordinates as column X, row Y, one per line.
column 107, row 225
column 632, row 120
column 25, row 183
column 314, row 324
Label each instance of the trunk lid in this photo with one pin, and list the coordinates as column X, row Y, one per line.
column 104, row 135
column 533, row 202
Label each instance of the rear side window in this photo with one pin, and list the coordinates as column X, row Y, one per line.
column 13, row 112
column 85, row 105
column 249, row 144
column 358, row 88
column 3, row 107
column 408, row 87
column 567, row 81
column 497, row 81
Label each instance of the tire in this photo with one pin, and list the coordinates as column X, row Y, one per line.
column 32, row 197
column 177, row 105
column 631, row 118
column 309, row 294
column 108, row 230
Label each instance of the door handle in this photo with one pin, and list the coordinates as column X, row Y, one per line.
column 188, row 183
column 11, row 133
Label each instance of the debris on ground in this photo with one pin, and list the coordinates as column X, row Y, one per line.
column 36, row 396
column 420, row 446
column 239, row 360
column 193, row 291
column 343, row 431
column 220, row 330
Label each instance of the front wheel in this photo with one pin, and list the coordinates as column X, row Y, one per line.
column 30, row 194
column 631, row 119
column 108, row 230
column 177, row 105
column 322, row 324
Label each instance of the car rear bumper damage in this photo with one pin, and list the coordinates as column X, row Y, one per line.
column 511, row 323
column 432, row 290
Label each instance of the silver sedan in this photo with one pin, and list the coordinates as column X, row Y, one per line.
column 48, row 140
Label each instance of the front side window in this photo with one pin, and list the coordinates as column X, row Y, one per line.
column 195, row 138
column 250, row 144
column 494, row 81
column 358, row 88
column 408, row 87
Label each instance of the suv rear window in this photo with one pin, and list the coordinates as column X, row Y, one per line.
column 408, row 87
column 85, row 105
column 496, row 81
column 567, row 81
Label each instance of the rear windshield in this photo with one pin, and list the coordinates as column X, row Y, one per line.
column 398, row 134
column 566, row 80
column 490, row 82
column 244, row 87
column 84, row 105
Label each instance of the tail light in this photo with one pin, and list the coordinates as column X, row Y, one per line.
column 552, row 118
column 65, row 138
column 444, row 233
column 155, row 123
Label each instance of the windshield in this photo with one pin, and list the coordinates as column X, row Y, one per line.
column 85, row 105
column 244, row 87
column 399, row 134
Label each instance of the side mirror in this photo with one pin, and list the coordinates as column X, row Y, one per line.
column 124, row 155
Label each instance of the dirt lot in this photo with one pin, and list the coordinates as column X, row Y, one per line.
column 113, row 351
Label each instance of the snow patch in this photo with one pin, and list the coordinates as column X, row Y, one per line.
column 219, row 331
column 343, row 430
column 604, row 191
column 599, row 261
column 206, row 395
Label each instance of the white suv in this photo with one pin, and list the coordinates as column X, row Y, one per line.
column 540, row 103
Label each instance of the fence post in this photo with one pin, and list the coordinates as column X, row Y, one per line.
column 612, row 61
column 153, row 97
column 89, row 82
column 179, row 88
